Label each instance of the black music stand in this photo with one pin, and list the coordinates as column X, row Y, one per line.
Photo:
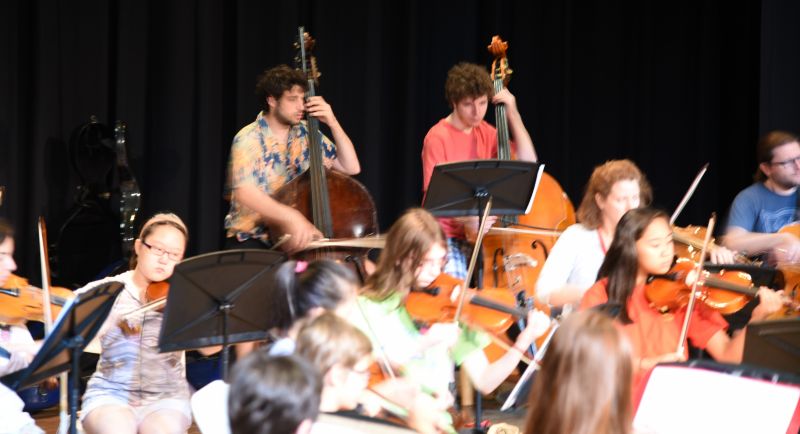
column 774, row 344
column 482, row 187
column 462, row 189
column 76, row 326
column 219, row 298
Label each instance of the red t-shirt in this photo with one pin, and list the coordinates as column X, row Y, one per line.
column 446, row 144
column 651, row 333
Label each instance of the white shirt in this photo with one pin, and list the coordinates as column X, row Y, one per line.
column 575, row 260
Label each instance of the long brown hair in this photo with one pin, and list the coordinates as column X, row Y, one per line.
column 602, row 180
column 407, row 242
column 584, row 385
column 621, row 263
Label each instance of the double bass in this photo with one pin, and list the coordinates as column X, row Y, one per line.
column 515, row 249
column 338, row 205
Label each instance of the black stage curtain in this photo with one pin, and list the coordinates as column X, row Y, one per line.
column 671, row 85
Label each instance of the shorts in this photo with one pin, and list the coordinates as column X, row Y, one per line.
column 139, row 411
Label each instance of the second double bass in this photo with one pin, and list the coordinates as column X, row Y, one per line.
column 515, row 250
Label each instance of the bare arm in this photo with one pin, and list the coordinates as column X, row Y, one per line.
column 522, row 139
column 277, row 215
column 487, row 377
column 346, row 158
column 567, row 294
column 785, row 247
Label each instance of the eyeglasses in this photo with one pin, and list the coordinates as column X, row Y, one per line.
column 158, row 251
column 786, row 163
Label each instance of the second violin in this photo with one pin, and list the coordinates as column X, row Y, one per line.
column 726, row 292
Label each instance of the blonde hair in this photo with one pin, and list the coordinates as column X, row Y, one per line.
column 328, row 340
column 584, row 385
column 160, row 219
column 602, row 180
column 407, row 242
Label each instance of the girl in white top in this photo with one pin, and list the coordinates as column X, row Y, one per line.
column 571, row 268
column 615, row 187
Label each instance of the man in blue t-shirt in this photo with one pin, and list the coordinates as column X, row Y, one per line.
column 762, row 209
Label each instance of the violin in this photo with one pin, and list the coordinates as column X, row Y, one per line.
column 726, row 292
column 155, row 298
column 689, row 242
column 491, row 309
column 394, row 412
column 23, row 302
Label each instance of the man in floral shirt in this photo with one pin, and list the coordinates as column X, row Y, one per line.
column 272, row 151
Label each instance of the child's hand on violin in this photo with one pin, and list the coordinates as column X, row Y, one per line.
column 440, row 333
column 537, row 324
column 769, row 302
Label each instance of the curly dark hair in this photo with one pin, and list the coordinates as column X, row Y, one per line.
column 467, row 80
column 274, row 81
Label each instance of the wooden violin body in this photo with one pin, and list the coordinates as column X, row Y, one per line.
column 20, row 302
column 689, row 243
column 155, row 298
column 726, row 292
column 491, row 309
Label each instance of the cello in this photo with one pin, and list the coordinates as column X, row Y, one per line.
column 338, row 205
column 515, row 249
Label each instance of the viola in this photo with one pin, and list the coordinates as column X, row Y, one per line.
column 726, row 292
column 491, row 309
column 791, row 275
column 155, row 298
column 689, row 241
column 381, row 371
column 23, row 302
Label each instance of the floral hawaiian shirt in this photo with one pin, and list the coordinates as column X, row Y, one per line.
column 258, row 158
